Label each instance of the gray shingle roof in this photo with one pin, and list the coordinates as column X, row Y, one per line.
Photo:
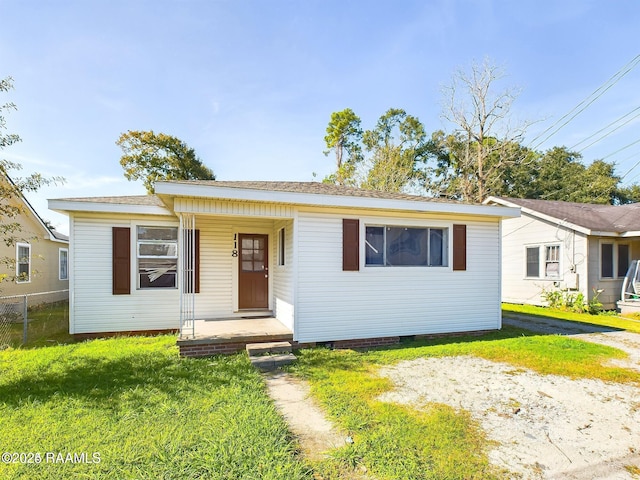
column 314, row 188
column 149, row 200
column 601, row 218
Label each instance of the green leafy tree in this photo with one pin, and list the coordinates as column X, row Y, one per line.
column 398, row 146
column 388, row 157
column 151, row 157
column 13, row 188
column 344, row 136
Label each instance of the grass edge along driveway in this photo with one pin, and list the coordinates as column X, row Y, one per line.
column 398, row 442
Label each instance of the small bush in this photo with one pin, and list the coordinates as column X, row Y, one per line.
column 572, row 301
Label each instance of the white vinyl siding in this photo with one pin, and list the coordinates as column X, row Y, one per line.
column 95, row 308
column 283, row 278
column 377, row 302
column 526, row 238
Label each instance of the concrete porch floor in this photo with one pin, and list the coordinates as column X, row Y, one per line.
column 239, row 330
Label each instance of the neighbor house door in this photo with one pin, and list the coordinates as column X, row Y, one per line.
column 253, row 271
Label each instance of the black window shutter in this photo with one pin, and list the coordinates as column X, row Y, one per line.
column 350, row 244
column 121, row 260
column 193, row 262
column 459, row 247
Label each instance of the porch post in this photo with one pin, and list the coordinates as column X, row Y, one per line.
column 187, row 275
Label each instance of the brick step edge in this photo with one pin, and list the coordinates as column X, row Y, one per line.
column 254, row 349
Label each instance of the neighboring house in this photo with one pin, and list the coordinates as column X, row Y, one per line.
column 41, row 259
column 330, row 263
column 577, row 247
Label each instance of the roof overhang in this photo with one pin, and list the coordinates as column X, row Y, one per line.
column 70, row 205
column 170, row 189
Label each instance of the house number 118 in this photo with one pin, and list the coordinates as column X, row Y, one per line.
column 234, row 252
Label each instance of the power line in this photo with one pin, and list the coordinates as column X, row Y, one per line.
column 609, row 133
column 586, row 102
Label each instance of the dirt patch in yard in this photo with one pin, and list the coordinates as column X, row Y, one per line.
column 543, row 426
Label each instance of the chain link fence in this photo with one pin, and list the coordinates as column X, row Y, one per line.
column 34, row 318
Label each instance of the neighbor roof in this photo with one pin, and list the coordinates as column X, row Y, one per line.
column 592, row 217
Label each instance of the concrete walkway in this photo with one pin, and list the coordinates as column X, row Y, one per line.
column 306, row 420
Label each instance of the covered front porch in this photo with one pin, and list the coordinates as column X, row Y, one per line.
column 235, row 269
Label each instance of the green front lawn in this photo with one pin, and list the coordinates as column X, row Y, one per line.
column 129, row 408
column 143, row 412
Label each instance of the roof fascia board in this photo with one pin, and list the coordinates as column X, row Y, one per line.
column 40, row 220
column 542, row 216
column 315, row 199
column 64, row 206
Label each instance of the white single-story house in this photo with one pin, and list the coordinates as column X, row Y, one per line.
column 330, row 263
column 576, row 247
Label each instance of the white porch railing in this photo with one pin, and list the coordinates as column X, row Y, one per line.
column 187, row 275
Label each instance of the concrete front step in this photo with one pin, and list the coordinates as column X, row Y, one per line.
column 255, row 349
column 270, row 355
column 271, row 362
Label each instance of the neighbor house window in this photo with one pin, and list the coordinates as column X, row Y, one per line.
column 543, row 261
column 533, row 262
column 614, row 259
column 157, row 252
column 281, row 246
column 23, row 263
column 552, row 261
column 406, row 246
column 63, row 264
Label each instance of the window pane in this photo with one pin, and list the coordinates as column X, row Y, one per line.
column 247, row 243
column 64, row 263
column 533, row 261
column 157, row 233
column 281, row 247
column 157, row 257
column 157, row 273
column 606, row 260
column 247, row 266
column 552, row 263
column 406, row 246
column 374, row 246
column 436, row 247
column 623, row 260
column 158, row 249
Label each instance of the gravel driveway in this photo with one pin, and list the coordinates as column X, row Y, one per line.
column 544, row 426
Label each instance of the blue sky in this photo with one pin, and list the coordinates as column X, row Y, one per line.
column 250, row 85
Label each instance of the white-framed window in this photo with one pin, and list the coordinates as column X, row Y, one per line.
column 543, row 261
column 614, row 259
column 281, row 246
column 390, row 246
column 23, row 263
column 63, row 264
column 157, row 255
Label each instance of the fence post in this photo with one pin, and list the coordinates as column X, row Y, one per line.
column 24, row 321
